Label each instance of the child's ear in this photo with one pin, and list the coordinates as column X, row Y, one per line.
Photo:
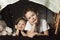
column 16, row 26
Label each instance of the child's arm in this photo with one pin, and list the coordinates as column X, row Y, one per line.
column 31, row 32
column 17, row 32
column 45, row 33
column 32, row 29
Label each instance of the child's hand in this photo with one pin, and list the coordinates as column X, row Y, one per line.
column 16, row 27
column 31, row 35
column 33, row 25
column 33, row 28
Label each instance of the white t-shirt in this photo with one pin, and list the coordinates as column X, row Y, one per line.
column 28, row 26
column 43, row 26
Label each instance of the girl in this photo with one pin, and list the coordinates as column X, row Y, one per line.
column 19, row 26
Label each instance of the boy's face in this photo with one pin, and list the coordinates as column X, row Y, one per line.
column 21, row 25
column 31, row 17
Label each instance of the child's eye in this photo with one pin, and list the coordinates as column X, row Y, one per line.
column 22, row 24
column 29, row 17
column 19, row 24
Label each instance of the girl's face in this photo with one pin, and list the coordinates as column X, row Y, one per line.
column 21, row 25
column 31, row 17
